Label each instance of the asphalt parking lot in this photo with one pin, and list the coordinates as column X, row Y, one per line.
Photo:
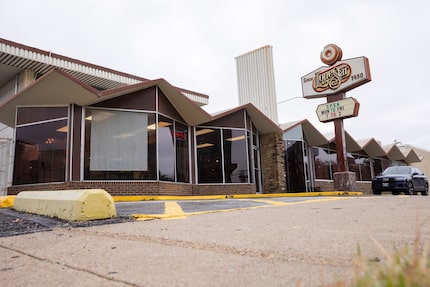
column 14, row 223
column 240, row 242
column 143, row 210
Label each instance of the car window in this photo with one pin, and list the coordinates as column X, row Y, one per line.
column 417, row 170
column 397, row 170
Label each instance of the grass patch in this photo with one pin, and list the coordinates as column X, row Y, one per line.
column 409, row 267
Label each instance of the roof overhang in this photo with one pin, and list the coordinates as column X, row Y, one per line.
column 59, row 88
column 15, row 58
column 393, row 152
column 372, row 148
column 263, row 123
column 411, row 155
column 351, row 144
column 52, row 89
column 310, row 134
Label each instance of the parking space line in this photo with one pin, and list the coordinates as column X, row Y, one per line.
column 173, row 210
column 271, row 202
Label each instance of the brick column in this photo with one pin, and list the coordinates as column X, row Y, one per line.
column 272, row 163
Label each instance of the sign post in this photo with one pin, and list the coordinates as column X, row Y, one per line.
column 332, row 82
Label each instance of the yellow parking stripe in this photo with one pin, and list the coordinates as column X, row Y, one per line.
column 174, row 211
column 271, row 202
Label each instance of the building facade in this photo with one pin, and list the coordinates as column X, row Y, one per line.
column 311, row 161
column 77, row 125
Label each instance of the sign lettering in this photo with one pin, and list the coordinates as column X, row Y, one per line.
column 331, row 78
column 342, row 109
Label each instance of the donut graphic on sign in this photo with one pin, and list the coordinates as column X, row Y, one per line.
column 331, row 54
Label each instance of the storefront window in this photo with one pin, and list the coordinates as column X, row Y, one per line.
column 41, row 145
column 222, row 155
column 354, row 164
column 323, row 161
column 379, row 165
column 119, row 145
column 209, row 155
column 182, row 153
column 166, row 144
column 235, row 156
column 365, row 169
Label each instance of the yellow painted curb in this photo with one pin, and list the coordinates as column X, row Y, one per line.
column 82, row 204
column 166, row 197
column 6, row 201
column 298, row 194
column 238, row 196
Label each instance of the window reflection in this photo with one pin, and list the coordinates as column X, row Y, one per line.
column 148, row 147
column 182, row 153
column 40, row 148
column 166, row 146
column 235, row 156
column 209, row 155
column 322, row 161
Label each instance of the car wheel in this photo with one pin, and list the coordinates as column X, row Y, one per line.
column 409, row 189
column 426, row 190
column 376, row 192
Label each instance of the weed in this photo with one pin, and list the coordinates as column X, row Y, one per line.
column 403, row 268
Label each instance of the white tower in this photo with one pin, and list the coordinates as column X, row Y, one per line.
column 256, row 81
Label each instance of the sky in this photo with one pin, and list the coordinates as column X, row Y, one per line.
column 193, row 44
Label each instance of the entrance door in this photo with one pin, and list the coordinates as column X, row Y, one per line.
column 295, row 167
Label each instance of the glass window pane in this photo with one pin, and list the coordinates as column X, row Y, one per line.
column 37, row 114
column 182, row 153
column 118, row 141
column 322, row 161
column 209, row 155
column 366, row 174
column 40, row 153
column 147, row 147
column 354, row 164
column 235, row 156
column 166, row 146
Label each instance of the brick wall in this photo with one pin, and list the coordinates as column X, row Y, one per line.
column 273, row 164
column 118, row 188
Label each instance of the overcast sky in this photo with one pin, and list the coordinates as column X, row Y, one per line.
column 193, row 44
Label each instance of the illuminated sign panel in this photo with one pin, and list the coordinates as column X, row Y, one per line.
column 342, row 109
column 340, row 77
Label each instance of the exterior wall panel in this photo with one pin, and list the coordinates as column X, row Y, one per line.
column 256, row 81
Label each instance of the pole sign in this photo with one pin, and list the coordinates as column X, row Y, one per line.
column 342, row 109
column 341, row 77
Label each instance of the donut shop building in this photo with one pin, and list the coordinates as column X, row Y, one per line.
column 78, row 125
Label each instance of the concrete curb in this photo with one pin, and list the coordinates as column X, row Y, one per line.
column 237, row 196
column 74, row 205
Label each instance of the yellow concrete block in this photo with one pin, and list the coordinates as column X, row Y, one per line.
column 6, row 201
column 81, row 204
